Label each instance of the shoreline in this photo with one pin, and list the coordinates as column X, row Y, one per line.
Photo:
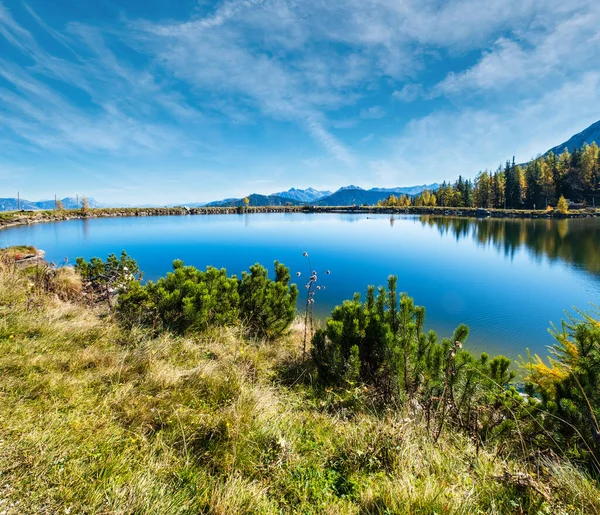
column 10, row 219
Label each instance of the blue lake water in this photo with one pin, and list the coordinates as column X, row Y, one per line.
column 506, row 279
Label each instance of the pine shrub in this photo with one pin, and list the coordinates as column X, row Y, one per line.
column 382, row 343
column 189, row 299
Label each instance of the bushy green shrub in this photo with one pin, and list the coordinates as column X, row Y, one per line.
column 387, row 332
column 190, row 299
column 382, row 343
column 114, row 270
column 186, row 298
column 267, row 307
column 104, row 280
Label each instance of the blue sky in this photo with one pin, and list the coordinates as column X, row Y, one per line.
column 154, row 101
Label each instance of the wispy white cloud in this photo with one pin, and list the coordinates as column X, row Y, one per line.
column 123, row 98
column 373, row 113
column 547, row 52
column 221, row 62
column 409, row 92
column 369, row 137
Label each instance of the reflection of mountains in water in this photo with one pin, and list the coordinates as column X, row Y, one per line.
column 575, row 241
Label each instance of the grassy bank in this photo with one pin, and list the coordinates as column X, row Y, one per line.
column 16, row 218
column 97, row 419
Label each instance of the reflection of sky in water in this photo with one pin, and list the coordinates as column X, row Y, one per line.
column 505, row 279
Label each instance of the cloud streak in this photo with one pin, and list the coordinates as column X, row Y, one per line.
column 544, row 54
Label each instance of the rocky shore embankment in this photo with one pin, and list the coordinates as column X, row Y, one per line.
column 17, row 218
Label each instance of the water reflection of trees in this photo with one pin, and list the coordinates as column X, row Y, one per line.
column 570, row 240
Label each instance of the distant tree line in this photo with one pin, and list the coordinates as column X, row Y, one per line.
column 536, row 185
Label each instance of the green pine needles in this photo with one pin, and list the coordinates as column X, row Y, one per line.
column 382, row 343
column 267, row 308
column 189, row 299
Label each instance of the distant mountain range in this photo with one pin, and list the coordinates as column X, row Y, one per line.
column 12, row 204
column 355, row 195
column 308, row 195
column 345, row 196
column 256, row 200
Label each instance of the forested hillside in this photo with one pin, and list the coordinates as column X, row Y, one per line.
column 535, row 185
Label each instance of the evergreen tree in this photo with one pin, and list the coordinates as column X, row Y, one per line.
column 513, row 187
column 467, row 194
column 533, row 178
column 499, row 187
column 562, row 168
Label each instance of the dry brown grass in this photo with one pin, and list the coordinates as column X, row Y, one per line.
column 65, row 282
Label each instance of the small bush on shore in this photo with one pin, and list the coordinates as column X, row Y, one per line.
column 189, row 299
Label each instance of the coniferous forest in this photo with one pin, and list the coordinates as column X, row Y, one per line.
column 538, row 184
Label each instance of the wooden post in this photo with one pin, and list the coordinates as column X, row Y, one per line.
column 18, row 201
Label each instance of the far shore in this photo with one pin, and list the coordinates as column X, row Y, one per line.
column 17, row 218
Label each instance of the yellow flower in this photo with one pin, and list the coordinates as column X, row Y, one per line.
column 11, row 337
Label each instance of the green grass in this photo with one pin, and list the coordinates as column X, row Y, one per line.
column 94, row 419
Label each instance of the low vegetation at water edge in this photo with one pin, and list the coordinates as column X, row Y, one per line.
column 193, row 395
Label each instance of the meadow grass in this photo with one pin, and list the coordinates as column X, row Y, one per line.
column 96, row 419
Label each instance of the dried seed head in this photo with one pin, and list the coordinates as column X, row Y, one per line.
column 328, row 272
column 298, row 274
column 305, row 254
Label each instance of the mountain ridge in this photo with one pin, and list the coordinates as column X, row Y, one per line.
column 344, row 196
column 307, row 195
column 588, row 135
column 256, row 199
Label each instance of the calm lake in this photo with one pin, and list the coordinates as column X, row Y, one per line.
column 506, row 279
